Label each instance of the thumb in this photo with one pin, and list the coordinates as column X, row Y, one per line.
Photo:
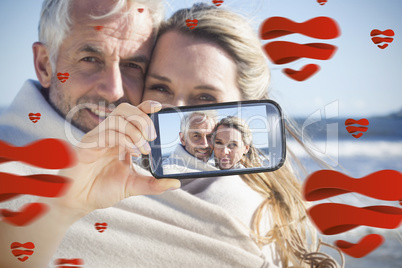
column 150, row 106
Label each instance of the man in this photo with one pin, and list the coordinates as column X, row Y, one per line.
column 105, row 59
column 196, row 148
column 90, row 61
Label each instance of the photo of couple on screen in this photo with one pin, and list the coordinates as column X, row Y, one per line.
column 208, row 141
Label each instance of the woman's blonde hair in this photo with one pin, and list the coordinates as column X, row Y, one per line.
column 235, row 36
column 283, row 204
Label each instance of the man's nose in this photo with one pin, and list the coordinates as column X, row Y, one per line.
column 204, row 142
column 111, row 87
column 226, row 150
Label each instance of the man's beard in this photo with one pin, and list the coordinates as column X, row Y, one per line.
column 60, row 100
column 202, row 156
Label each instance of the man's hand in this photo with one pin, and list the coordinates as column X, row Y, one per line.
column 104, row 174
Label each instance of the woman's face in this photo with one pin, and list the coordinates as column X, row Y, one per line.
column 186, row 71
column 228, row 147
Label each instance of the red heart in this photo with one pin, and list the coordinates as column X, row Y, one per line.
column 282, row 52
column 353, row 129
column 101, row 227
column 382, row 46
column 19, row 252
column 306, row 72
column 63, row 77
column 217, row 2
column 45, row 153
column 62, row 263
column 377, row 39
column 384, row 185
column 34, row 117
column 28, row 214
column 140, row 10
column 191, row 24
column 366, row 245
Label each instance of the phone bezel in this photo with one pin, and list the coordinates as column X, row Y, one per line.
column 157, row 151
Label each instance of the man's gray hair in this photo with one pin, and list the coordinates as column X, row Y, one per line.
column 55, row 21
column 206, row 115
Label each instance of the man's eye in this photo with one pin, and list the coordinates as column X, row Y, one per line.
column 89, row 59
column 132, row 65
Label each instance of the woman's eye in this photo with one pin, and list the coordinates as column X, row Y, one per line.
column 232, row 145
column 158, row 88
column 207, row 98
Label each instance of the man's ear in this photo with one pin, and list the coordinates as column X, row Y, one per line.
column 182, row 140
column 42, row 65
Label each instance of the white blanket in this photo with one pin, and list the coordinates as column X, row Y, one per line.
column 201, row 225
column 181, row 161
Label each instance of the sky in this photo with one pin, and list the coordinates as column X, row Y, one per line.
column 362, row 79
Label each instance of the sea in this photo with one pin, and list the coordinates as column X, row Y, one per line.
column 379, row 148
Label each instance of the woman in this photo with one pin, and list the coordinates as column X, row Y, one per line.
column 233, row 147
column 221, row 60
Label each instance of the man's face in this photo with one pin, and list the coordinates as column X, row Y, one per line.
column 106, row 66
column 197, row 140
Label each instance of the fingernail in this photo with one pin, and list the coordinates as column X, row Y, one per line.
column 152, row 133
column 172, row 189
column 152, row 102
column 147, row 148
column 155, row 106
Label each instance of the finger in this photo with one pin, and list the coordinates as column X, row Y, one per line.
column 133, row 133
column 137, row 116
column 150, row 106
column 122, row 126
column 143, row 184
column 113, row 138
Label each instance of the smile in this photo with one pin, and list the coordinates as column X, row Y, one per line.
column 224, row 160
column 99, row 113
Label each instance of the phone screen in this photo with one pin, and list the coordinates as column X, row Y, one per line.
column 218, row 139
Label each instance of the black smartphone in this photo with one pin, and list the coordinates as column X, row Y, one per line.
column 218, row 139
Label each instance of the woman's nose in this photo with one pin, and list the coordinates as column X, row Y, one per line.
column 178, row 101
